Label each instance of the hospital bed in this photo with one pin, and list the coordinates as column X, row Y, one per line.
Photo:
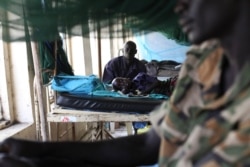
column 89, row 108
column 95, row 109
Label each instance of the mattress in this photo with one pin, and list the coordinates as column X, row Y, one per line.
column 107, row 104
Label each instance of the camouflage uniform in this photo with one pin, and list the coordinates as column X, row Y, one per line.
column 210, row 128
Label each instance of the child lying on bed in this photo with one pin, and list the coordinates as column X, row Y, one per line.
column 144, row 84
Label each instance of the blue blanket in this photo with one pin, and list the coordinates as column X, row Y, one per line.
column 91, row 85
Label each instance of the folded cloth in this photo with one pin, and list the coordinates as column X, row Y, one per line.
column 77, row 84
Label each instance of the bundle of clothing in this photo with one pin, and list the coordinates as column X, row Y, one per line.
column 143, row 84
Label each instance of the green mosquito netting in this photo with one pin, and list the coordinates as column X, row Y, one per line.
column 43, row 20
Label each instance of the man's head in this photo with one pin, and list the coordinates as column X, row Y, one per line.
column 205, row 19
column 121, row 84
column 129, row 50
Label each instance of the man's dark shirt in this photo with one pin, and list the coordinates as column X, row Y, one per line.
column 118, row 67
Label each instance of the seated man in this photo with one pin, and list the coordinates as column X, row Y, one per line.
column 206, row 122
column 144, row 84
column 124, row 66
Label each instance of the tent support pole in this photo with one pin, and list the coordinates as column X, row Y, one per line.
column 40, row 93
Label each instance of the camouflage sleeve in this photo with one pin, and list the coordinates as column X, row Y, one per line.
column 222, row 140
column 169, row 120
column 234, row 150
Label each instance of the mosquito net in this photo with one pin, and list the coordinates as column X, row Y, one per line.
column 42, row 20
